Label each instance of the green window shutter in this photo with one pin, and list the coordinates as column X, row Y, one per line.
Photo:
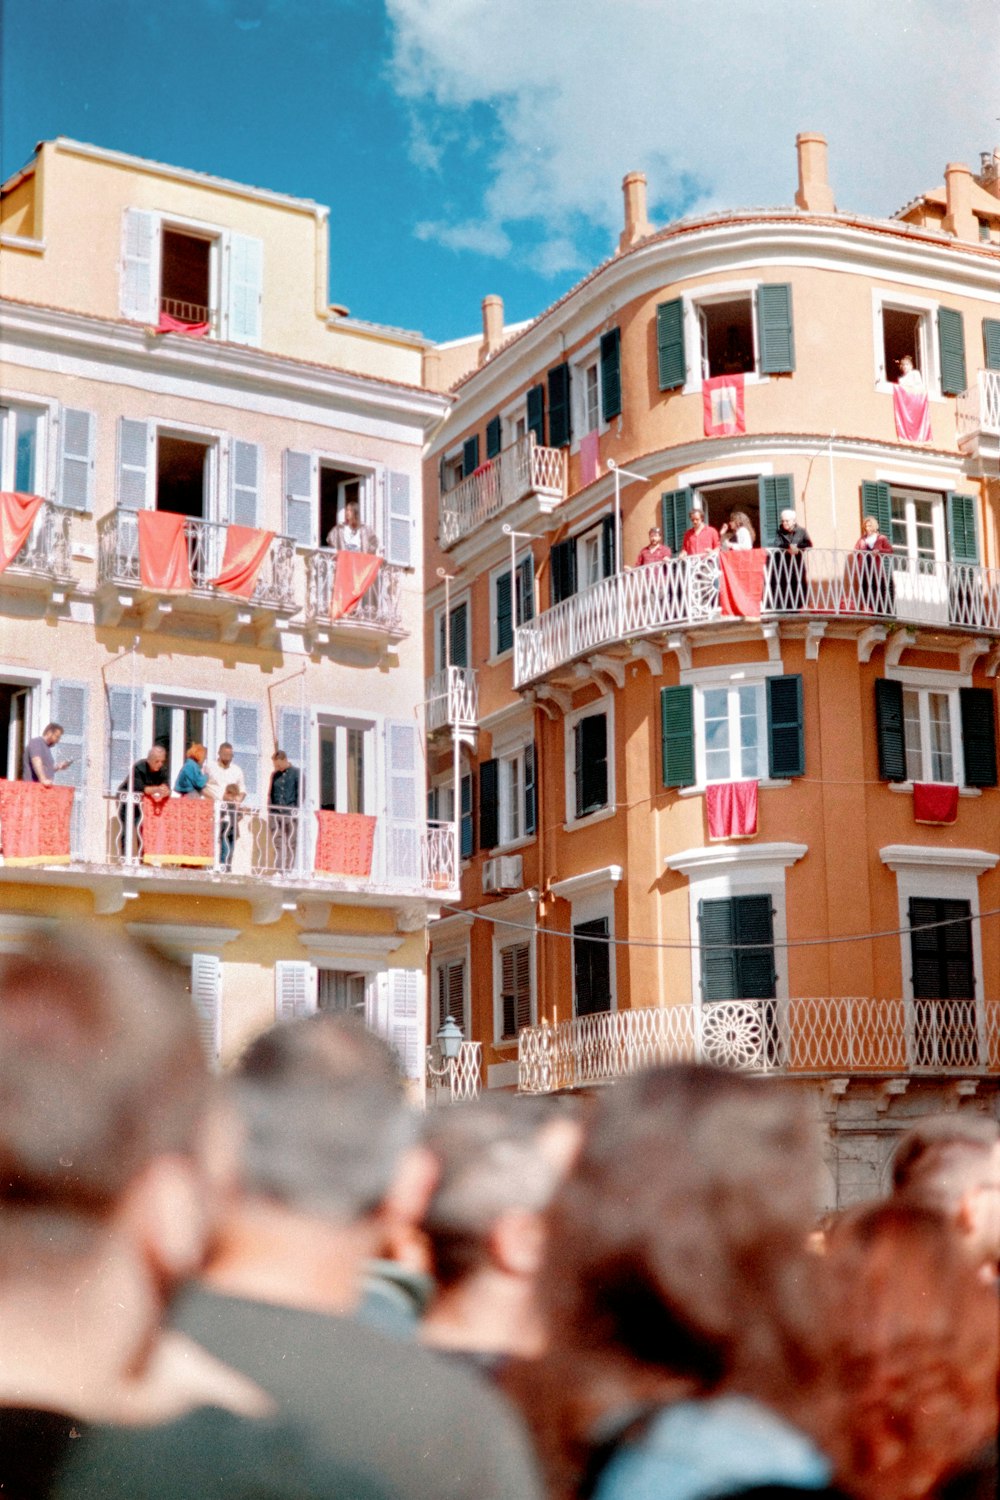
column 941, row 956
column 979, row 737
column 951, row 345
column 607, row 545
column 611, row 374
column 786, row 745
column 536, row 413
column 470, row 455
column 459, row 633
column 489, row 804
column 530, row 789
column 493, row 437
column 991, row 343
column 889, row 727
column 468, row 825
column 562, row 564
column 670, row 361
column 776, row 493
column 675, row 505
column 525, row 600
column 505, row 613
column 963, row 546
column 677, row 734
column 754, row 925
column 560, row 428
column 717, row 933
column 591, row 755
column 775, row 337
column 876, row 501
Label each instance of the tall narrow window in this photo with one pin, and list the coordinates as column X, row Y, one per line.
column 515, row 989
column 944, row 983
column 591, row 966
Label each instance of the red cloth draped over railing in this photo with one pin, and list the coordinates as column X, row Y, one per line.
column 934, row 802
column 912, row 414
column 353, row 574
column 163, row 551
column 741, row 584
column 178, row 831
column 17, row 516
column 590, row 447
column 722, row 405
column 35, row 823
column 732, row 809
column 246, row 549
column 344, row 843
column 168, row 324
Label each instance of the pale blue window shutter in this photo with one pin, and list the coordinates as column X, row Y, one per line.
column 402, row 831
column 76, row 459
column 124, row 733
column 243, row 733
column 245, row 472
column 135, row 463
column 398, row 520
column 293, row 738
column 69, row 708
column 299, row 488
column 206, row 993
column 245, row 287
column 294, row 989
column 140, row 256
column 404, row 988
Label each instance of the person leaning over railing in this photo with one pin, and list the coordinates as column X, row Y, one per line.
column 789, row 589
column 192, row 778
column 148, row 778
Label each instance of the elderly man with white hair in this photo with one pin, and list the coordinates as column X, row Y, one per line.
column 789, row 588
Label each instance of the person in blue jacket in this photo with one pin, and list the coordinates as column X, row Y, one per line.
column 192, row 779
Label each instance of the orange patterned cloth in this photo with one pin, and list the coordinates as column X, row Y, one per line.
column 34, row 823
column 163, row 551
column 178, row 831
column 353, row 574
column 246, row 549
column 17, row 516
column 344, row 843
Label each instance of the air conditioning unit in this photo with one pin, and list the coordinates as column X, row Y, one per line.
column 504, row 873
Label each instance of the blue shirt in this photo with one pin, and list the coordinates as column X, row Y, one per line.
column 191, row 779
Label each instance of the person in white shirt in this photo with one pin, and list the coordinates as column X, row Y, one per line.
column 227, row 785
column 351, row 534
column 909, row 379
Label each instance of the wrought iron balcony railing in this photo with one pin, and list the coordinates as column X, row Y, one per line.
column 191, row 313
column 452, row 697
column 118, row 559
column 977, row 410
column 523, row 469
column 823, row 1036
column 818, row 583
column 46, row 552
column 378, row 609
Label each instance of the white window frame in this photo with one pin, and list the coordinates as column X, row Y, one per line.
column 935, row 496
column 519, row 908
column 749, row 674
column 592, row 896
column 46, row 459
column 589, row 357
column 509, row 763
column 606, row 706
column 342, row 721
column 924, row 748
column 442, row 958
column 453, row 459
column 928, row 680
column 495, row 573
column 728, row 291
column 926, row 310
column 513, row 423
column 217, row 238
column 371, row 479
column 39, row 686
column 733, row 690
column 219, row 458
column 171, row 695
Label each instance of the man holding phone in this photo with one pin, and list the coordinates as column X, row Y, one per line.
column 38, row 763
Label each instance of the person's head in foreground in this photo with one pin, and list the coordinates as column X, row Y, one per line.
column 951, row 1163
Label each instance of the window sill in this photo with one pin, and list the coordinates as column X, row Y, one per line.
column 695, row 387
column 600, row 816
column 499, row 656
column 515, row 844
column 886, row 388
column 907, row 787
column 766, row 785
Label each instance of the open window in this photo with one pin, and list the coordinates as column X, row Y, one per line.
column 342, row 993
column 183, row 475
column 22, row 431
column 179, row 721
column 728, row 340
column 187, row 276
column 902, row 335
column 339, row 486
column 720, row 500
column 16, row 720
column 346, row 765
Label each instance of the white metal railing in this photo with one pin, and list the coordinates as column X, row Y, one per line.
column 819, row 583
column 816, row 1036
column 377, row 608
column 977, row 410
column 523, row 469
column 46, row 550
column 458, row 1081
column 188, row 312
column 118, row 558
column 452, row 698
column 280, row 845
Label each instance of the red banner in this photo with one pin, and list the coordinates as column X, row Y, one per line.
column 17, row 516
column 913, row 417
column 590, row 446
column 178, row 831
column 934, row 802
column 163, row 551
column 741, row 582
column 167, row 324
column 353, row 574
column 344, row 843
column 246, row 549
column 722, row 405
column 34, row 823
column 732, row 809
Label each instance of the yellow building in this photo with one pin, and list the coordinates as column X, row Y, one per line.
column 622, row 899
column 169, row 352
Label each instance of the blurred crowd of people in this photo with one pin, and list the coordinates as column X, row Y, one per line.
column 288, row 1284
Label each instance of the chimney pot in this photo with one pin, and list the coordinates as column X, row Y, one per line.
column 959, row 219
column 637, row 225
column 492, row 327
column 815, row 193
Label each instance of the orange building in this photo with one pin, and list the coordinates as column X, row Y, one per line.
column 736, row 803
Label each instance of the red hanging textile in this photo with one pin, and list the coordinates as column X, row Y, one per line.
column 353, row 574
column 163, row 551
column 732, row 809
column 912, row 414
column 741, row 581
column 167, row 324
column 178, row 831
column 934, row 802
column 722, row 405
column 344, row 843
column 589, row 449
column 35, row 823
column 246, row 549
column 17, row 516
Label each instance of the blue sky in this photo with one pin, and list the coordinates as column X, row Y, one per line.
column 474, row 146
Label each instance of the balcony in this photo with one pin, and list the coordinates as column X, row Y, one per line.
column 377, row 616
column 452, row 701
column 120, row 586
column 521, row 472
column 823, row 585
column 188, row 315
column 43, row 565
column 977, row 412
column 803, row 1038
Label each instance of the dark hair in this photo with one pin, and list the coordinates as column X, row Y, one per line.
column 225, row 745
column 53, row 725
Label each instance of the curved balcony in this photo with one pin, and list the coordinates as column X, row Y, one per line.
column 43, row 565
column 524, row 471
column 977, row 413
column 819, row 1037
column 376, row 616
column 816, row 584
column 452, row 700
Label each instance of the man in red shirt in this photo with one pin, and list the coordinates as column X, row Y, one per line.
column 699, row 538
column 654, row 551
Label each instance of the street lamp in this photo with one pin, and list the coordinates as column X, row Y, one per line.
column 448, row 1046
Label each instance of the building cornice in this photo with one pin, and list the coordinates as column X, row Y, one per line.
column 591, row 880
column 709, row 858
column 179, row 940
column 356, row 952
column 931, row 857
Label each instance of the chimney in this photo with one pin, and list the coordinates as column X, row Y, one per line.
column 959, row 219
column 432, row 377
column 492, row 327
column 637, row 225
column 815, row 194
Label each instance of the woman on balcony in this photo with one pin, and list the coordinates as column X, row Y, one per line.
column 737, row 533
column 192, row 778
column 869, row 573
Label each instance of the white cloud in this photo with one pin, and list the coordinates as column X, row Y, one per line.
column 483, row 237
column 705, row 96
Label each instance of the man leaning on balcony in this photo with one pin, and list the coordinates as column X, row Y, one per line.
column 351, row 534
column 149, row 778
column 699, row 536
column 283, row 802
